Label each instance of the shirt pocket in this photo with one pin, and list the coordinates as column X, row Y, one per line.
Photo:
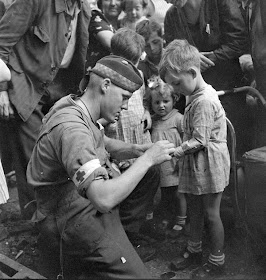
column 41, row 33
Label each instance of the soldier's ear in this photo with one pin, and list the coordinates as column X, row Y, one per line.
column 106, row 83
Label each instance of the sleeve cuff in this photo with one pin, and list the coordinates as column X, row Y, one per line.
column 179, row 152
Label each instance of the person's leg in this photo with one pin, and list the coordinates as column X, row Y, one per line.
column 26, row 136
column 96, row 241
column 182, row 209
column 193, row 252
column 211, row 204
column 115, row 257
column 168, row 204
column 134, row 208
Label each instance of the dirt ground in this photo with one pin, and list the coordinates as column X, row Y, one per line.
column 245, row 254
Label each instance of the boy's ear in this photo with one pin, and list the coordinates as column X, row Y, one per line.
column 193, row 72
column 106, row 83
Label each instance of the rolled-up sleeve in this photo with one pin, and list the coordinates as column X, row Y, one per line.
column 77, row 151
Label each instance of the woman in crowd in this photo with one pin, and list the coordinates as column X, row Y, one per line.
column 104, row 22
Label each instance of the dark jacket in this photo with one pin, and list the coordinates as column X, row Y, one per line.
column 33, row 42
column 221, row 29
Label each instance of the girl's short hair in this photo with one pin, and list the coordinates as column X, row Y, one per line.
column 178, row 56
column 157, row 86
column 128, row 44
column 147, row 26
column 145, row 3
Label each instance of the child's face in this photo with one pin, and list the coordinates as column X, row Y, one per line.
column 154, row 46
column 134, row 10
column 162, row 105
column 111, row 8
column 183, row 82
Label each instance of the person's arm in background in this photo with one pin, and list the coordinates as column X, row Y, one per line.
column 14, row 24
column 169, row 26
column 234, row 37
column 101, row 29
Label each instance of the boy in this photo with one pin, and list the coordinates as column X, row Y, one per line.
column 152, row 32
column 203, row 156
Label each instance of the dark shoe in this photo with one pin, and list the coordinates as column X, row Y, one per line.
column 152, row 229
column 146, row 253
column 188, row 260
column 210, row 269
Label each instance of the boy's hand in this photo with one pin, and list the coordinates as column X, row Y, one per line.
column 205, row 61
column 159, row 152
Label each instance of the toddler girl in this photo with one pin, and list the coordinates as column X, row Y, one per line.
column 167, row 124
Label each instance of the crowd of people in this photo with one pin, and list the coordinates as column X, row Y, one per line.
column 113, row 101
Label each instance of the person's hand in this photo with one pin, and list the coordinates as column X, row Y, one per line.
column 205, row 61
column 6, row 111
column 159, row 152
column 146, row 119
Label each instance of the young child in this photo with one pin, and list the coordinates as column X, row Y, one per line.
column 167, row 124
column 203, row 155
column 135, row 11
column 152, row 32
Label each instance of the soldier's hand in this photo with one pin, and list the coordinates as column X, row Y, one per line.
column 160, row 151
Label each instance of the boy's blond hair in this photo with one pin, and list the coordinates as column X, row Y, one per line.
column 179, row 56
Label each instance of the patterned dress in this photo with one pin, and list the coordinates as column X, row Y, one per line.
column 169, row 127
column 205, row 167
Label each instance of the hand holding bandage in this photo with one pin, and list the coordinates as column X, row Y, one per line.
column 159, row 152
